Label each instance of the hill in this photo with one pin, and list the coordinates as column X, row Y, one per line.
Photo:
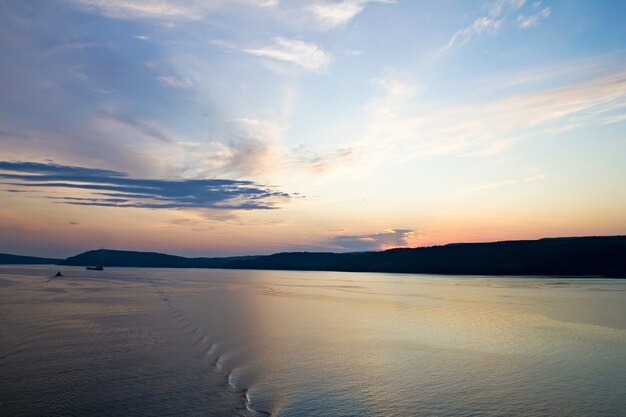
column 109, row 257
column 600, row 256
column 573, row 256
column 6, row 258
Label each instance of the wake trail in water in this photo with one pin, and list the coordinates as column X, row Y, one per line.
column 223, row 362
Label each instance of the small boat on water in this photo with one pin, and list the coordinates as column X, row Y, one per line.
column 58, row 274
column 95, row 268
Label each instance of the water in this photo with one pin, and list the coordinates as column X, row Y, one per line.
column 146, row 342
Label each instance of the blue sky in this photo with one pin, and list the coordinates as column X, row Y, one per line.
column 361, row 124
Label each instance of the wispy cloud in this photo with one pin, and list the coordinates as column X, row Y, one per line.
column 500, row 7
column 144, row 9
column 175, row 82
column 478, row 27
column 396, row 125
column 335, row 14
column 615, row 119
column 389, row 239
column 526, row 22
column 115, row 189
column 321, row 162
column 331, row 14
column 237, row 156
column 506, row 183
column 165, row 10
column 239, row 148
column 497, row 15
column 315, row 15
column 401, row 125
column 148, row 129
column 303, row 54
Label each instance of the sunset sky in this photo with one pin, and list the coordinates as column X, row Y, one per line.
column 226, row 127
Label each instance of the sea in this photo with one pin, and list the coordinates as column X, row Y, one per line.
column 210, row 342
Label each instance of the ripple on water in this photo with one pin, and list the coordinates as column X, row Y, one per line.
column 172, row 342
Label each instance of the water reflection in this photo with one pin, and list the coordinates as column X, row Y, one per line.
column 212, row 342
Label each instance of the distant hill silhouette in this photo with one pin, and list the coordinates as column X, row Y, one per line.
column 601, row 256
column 573, row 256
column 107, row 257
column 6, row 259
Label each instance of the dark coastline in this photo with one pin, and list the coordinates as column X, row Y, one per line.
column 7, row 259
column 602, row 256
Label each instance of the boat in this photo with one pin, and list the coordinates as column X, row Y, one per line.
column 95, row 268
column 58, row 274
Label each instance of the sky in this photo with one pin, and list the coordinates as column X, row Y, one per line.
column 229, row 127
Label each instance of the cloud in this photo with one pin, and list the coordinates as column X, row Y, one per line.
column 334, row 14
column 506, row 183
column 615, row 119
column 331, row 14
column 478, row 27
column 175, row 82
column 54, row 106
column 166, row 10
column 144, row 9
column 317, row 15
column 306, row 55
column 321, row 162
column 490, row 24
column 115, row 189
column 500, row 7
column 377, row 241
column 526, row 22
column 238, row 148
column 238, row 156
column 398, row 124
column 125, row 119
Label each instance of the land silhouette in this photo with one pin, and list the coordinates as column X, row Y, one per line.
column 602, row 256
column 7, row 259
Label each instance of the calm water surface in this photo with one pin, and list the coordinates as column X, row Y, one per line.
column 146, row 342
